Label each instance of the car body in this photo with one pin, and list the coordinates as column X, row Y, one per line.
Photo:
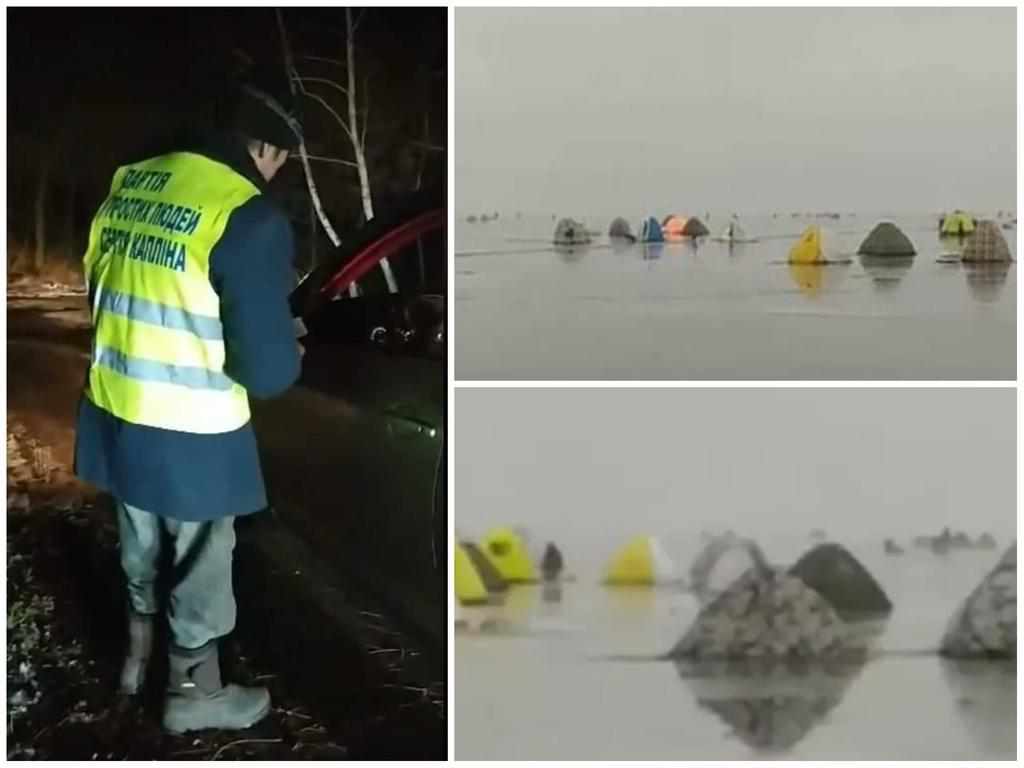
column 354, row 452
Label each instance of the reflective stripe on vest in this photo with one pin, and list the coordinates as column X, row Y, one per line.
column 155, row 313
column 158, row 350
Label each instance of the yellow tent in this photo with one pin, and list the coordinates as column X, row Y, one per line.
column 641, row 561
column 815, row 246
column 507, row 550
column 469, row 586
column 957, row 223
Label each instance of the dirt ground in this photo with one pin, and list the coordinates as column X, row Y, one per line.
column 346, row 681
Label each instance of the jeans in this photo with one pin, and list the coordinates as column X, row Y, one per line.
column 202, row 601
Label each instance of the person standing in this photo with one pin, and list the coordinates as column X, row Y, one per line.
column 188, row 270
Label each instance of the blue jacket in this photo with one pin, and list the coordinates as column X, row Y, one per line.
column 205, row 477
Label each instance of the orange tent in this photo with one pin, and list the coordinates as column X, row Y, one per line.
column 673, row 227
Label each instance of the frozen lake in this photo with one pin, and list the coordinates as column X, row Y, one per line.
column 540, row 685
column 588, row 469
column 710, row 311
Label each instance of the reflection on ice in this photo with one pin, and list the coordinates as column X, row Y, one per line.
column 816, row 279
column 770, row 706
column 985, row 281
column 886, row 271
column 985, row 692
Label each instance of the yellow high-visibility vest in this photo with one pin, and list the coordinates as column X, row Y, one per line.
column 158, row 344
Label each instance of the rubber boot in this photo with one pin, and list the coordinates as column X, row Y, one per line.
column 140, row 646
column 196, row 698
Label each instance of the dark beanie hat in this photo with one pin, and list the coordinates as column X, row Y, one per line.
column 268, row 115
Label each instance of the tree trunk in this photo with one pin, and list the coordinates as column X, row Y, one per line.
column 353, row 118
column 357, row 141
column 307, row 171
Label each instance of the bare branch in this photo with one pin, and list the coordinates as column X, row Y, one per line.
column 320, row 99
column 289, row 66
column 307, row 171
column 324, row 59
column 321, row 159
column 427, row 146
column 359, row 20
column 323, row 81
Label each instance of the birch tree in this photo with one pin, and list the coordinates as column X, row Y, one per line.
column 354, row 126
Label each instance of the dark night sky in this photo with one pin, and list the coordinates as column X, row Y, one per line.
column 104, row 55
column 180, row 56
column 92, row 88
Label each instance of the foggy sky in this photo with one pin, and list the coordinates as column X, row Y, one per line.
column 583, row 111
column 568, row 464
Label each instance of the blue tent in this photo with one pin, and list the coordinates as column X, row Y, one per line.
column 650, row 231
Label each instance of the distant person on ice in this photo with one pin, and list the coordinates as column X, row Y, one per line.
column 189, row 267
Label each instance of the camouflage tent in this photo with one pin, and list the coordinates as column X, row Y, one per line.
column 985, row 625
column 987, row 244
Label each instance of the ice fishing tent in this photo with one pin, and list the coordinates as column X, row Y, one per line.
column 620, row 229
column 642, row 561
column 488, row 572
column 507, row 551
column 987, row 244
column 723, row 560
column 835, row 574
column 886, row 239
column 469, row 585
column 650, row 231
column 695, row 228
column 571, row 232
column 816, row 245
column 674, row 227
column 957, row 223
column 733, row 233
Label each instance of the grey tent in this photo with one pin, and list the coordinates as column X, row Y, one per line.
column 619, row 229
column 571, row 232
column 886, row 239
column 987, row 244
column 835, row 574
column 695, row 228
